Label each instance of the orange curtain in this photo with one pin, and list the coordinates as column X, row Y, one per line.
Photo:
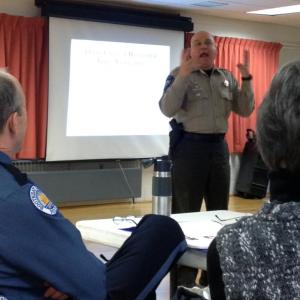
column 24, row 51
column 264, row 60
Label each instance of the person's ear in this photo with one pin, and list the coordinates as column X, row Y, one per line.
column 12, row 122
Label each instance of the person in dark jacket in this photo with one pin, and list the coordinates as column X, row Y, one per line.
column 42, row 254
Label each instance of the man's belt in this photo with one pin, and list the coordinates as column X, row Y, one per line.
column 205, row 137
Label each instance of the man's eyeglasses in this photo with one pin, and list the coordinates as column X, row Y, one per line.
column 222, row 220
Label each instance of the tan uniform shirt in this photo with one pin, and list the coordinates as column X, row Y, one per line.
column 203, row 103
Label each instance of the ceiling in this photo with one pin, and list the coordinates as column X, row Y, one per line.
column 235, row 9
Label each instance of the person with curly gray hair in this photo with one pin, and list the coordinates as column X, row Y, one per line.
column 258, row 257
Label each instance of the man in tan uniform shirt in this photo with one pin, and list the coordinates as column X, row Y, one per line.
column 201, row 97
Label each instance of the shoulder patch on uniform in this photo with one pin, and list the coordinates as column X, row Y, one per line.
column 3, row 298
column 41, row 201
column 170, row 79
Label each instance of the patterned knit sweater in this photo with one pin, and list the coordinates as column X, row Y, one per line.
column 260, row 255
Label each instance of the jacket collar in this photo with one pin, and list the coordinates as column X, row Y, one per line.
column 284, row 186
column 4, row 158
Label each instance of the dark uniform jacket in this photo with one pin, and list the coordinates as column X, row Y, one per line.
column 38, row 245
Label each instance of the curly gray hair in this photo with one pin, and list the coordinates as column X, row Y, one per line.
column 278, row 123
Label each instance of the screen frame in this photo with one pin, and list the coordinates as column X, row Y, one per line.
column 59, row 66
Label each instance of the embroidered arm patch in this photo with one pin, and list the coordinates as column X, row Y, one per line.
column 41, row 202
column 170, row 79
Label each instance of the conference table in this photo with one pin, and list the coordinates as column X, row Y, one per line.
column 199, row 228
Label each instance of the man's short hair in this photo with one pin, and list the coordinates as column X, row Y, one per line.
column 10, row 98
column 278, row 123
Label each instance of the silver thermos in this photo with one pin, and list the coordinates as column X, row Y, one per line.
column 162, row 187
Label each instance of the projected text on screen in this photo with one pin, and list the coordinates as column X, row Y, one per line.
column 113, row 83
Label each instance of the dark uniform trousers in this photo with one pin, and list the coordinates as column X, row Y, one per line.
column 144, row 259
column 200, row 170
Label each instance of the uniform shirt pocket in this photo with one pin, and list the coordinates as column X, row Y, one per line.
column 196, row 102
column 226, row 96
column 226, row 93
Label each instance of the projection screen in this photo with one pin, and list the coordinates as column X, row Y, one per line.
column 105, row 82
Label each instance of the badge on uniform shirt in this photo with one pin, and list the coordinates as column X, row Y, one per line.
column 41, row 201
column 169, row 81
column 226, row 83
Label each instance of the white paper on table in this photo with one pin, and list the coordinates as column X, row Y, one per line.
column 199, row 234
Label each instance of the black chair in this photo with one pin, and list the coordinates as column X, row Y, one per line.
column 252, row 180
